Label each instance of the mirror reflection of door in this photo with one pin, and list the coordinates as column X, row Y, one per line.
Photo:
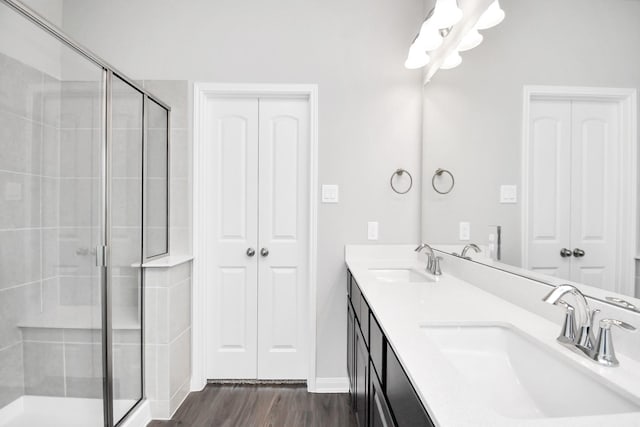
column 573, row 187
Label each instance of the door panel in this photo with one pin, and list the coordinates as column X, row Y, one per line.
column 595, row 184
column 549, row 186
column 233, row 135
column 283, row 225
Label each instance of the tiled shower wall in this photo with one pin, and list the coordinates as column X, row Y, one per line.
column 168, row 290
column 50, row 215
column 29, row 120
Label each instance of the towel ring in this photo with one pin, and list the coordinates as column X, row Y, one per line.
column 400, row 172
column 439, row 172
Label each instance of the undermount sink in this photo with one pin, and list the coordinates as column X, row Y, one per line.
column 400, row 275
column 519, row 378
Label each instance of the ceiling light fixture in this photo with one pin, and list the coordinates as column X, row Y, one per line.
column 417, row 58
column 491, row 17
column 429, row 37
column 472, row 39
column 446, row 13
column 452, row 61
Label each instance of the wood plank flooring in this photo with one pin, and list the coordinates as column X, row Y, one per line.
column 261, row 406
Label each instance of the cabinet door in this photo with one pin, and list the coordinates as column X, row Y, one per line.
column 379, row 413
column 362, row 379
column 403, row 400
column 351, row 353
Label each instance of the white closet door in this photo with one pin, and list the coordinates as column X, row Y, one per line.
column 549, row 189
column 283, row 232
column 232, row 142
column 594, row 194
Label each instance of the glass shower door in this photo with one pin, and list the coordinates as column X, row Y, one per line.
column 127, row 106
column 52, row 146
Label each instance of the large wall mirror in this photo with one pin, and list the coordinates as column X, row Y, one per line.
column 538, row 127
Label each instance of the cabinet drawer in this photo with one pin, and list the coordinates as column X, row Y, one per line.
column 405, row 404
column 376, row 346
column 379, row 413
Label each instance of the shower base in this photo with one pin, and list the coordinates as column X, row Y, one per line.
column 44, row 411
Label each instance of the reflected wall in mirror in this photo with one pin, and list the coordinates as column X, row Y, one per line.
column 547, row 107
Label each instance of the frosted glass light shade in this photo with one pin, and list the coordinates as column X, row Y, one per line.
column 491, row 17
column 472, row 39
column 429, row 37
column 417, row 58
column 446, row 14
column 452, row 61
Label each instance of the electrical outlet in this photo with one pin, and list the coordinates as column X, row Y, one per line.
column 372, row 230
column 465, row 231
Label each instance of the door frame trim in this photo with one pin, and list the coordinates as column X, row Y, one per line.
column 626, row 98
column 202, row 92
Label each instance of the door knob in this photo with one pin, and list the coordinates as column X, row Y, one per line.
column 264, row 252
column 251, row 252
column 578, row 253
column 564, row 252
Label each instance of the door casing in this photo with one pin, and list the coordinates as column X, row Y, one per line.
column 627, row 225
column 202, row 92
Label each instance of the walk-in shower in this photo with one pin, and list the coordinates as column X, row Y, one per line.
column 72, row 156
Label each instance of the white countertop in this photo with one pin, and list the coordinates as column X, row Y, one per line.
column 402, row 307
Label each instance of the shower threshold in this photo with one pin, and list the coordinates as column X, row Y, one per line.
column 45, row 411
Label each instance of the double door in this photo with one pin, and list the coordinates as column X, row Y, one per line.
column 573, row 186
column 258, row 234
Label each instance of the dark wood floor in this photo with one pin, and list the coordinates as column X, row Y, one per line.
column 261, row 405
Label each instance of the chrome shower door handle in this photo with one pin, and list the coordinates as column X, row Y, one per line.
column 264, row 252
column 578, row 253
column 564, row 252
column 251, row 252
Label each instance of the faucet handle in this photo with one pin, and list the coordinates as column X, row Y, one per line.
column 608, row 323
column 436, row 266
column 605, row 353
column 568, row 333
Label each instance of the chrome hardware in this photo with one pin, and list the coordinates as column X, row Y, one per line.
column 564, row 252
column 433, row 262
column 264, row 252
column 578, row 253
column 604, row 351
column 102, row 256
column 436, row 266
column 473, row 246
column 251, row 252
column 623, row 303
column 568, row 334
column 585, row 341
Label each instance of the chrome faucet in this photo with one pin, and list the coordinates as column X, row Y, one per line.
column 601, row 351
column 585, row 341
column 433, row 261
column 473, row 246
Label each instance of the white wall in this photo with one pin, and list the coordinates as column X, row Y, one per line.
column 473, row 114
column 369, row 111
column 29, row 44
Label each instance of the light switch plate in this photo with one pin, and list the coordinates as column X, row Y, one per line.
column 330, row 193
column 465, row 231
column 508, row 194
column 372, row 230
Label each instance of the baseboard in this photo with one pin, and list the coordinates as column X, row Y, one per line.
column 140, row 417
column 331, row 385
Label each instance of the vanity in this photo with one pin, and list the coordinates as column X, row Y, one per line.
column 464, row 349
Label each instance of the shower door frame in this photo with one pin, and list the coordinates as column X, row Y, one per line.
column 103, row 255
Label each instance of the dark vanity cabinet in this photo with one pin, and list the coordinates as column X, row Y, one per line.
column 381, row 393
